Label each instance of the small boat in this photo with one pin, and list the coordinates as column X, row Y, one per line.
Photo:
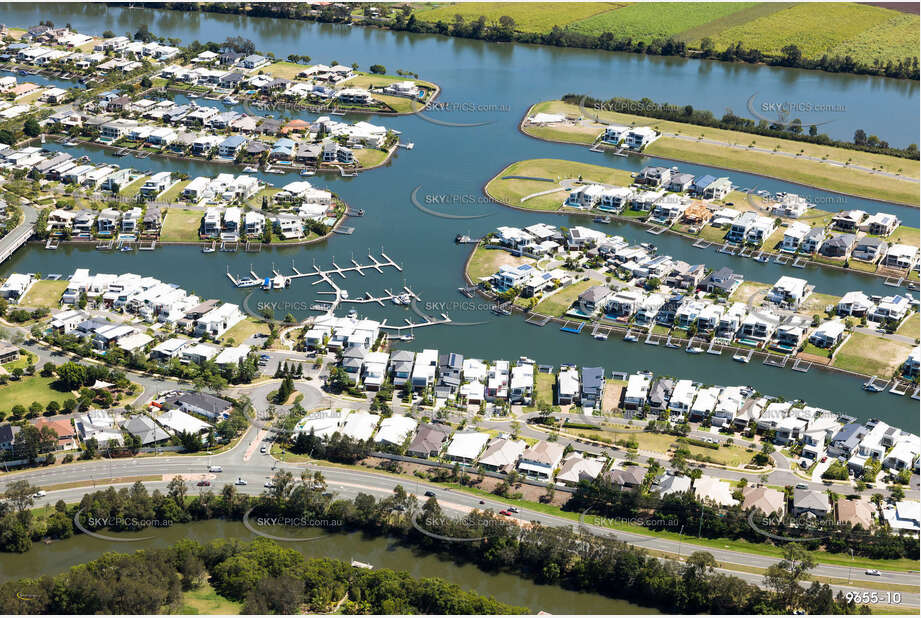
column 250, row 169
column 397, row 300
column 352, row 313
column 246, row 283
column 524, row 360
column 192, row 95
column 762, row 258
column 71, row 143
column 207, row 250
column 695, row 350
column 229, row 100
column 602, row 219
column 742, row 358
column 344, row 294
column 601, row 336
column 872, row 387
column 307, row 173
column 125, row 248
column 669, row 344
column 630, row 337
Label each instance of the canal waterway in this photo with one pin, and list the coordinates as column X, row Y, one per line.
column 455, row 162
column 382, row 553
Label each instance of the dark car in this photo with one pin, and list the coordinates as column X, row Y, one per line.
column 204, row 483
column 430, row 494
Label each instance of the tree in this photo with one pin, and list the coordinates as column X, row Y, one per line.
column 146, row 82
column 20, row 494
column 784, row 577
column 71, row 376
column 378, row 69
column 32, row 128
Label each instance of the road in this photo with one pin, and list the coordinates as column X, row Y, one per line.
column 348, row 482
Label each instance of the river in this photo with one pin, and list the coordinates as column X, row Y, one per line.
column 457, row 161
column 383, row 553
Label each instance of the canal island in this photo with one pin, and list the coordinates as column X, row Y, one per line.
column 297, row 299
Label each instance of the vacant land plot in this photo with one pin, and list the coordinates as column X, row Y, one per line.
column 816, row 303
column 44, row 294
column 823, row 28
column 132, row 189
column 486, row 262
column 28, row 389
column 750, row 292
column 181, row 225
column 647, row 21
column 369, row 157
column 528, row 16
column 172, row 194
column 911, row 326
column 243, row 330
column 511, row 191
column 560, row 301
column 285, row 70
column 871, row 355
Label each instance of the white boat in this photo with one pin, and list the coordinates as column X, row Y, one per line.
column 248, row 283
column 669, row 344
column 631, row 337
column 742, row 358
column 71, row 143
column 695, row 350
column 343, row 294
column 229, row 100
column 601, row 336
column 397, row 300
column 250, row 169
column 307, row 172
column 192, row 95
column 352, row 313
column 207, row 250
column 872, row 387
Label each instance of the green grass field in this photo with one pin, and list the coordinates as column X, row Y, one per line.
column 733, row 154
column 243, row 330
column 28, row 389
column 712, row 28
column 528, row 16
column 911, row 327
column 866, row 32
column 560, row 301
column 44, row 294
column 204, row 600
column 647, row 21
column 871, row 355
column 173, row 193
column 181, row 225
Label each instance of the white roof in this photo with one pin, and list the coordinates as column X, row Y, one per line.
column 360, row 425
column 179, row 421
column 396, row 429
column 467, row 445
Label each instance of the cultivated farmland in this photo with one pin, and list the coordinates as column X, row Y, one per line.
column 528, row 16
column 648, row 21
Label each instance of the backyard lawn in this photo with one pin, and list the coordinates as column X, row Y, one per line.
column 486, row 262
column 871, row 355
column 44, row 293
column 181, row 225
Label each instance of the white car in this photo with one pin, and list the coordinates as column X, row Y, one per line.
column 874, row 572
column 269, row 484
column 240, row 481
column 41, row 493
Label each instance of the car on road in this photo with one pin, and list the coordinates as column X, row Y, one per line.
column 513, row 509
column 874, row 572
column 824, row 459
column 430, row 494
column 240, row 481
column 482, row 501
column 204, row 483
column 269, row 484
column 41, row 493
column 802, row 486
column 264, row 357
column 263, row 450
column 215, row 469
column 504, row 512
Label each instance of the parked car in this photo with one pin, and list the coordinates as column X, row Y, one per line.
column 41, row 493
column 240, row 481
column 215, row 469
column 824, row 459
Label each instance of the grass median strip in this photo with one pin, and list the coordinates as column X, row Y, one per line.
column 112, row 481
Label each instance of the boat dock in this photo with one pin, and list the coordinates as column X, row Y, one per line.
column 411, row 325
column 368, row 298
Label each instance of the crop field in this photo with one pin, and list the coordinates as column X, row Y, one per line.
column 712, row 28
column 528, row 16
column 648, row 21
column 820, row 28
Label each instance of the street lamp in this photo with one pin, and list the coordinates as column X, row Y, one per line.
column 680, row 539
column 851, row 566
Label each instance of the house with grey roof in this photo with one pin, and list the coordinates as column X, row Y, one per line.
column 428, row 441
column 146, row 429
column 809, row 501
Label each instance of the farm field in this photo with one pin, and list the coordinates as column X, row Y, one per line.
column 648, row 21
column 712, row 28
column 528, row 16
column 829, row 28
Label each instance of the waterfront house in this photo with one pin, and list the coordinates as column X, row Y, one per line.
column 622, row 304
column 900, row 256
column 253, row 62
column 682, row 397
column 828, row 334
column 593, row 299
column 592, row 387
column 283, row 149
column 612, row 134
column 660, row 394
column 790, row 334
column 131, row 221
column 739, row 228
column 880, row 224
column 637, row 389
column 758, row 326
column 107, row 222
column 723, row 281
column 891, row 309
column 152, row 221
column 669, row 209
column 911, row 368
column 813, row 240
column 856, row 304
column 810, row 502
column 838, row 245
column 789, row 292
column 791, row 205
column 567, row 386
column 793, row 236
column 229, row 148
column 759, row 231
column 502, row 454
column 156, row 184
column 638, row 138
column 253, row 223
column 521, row 384
column 680, row 183
column 654, row 177
column 848, row 220
column 869, row 249
column 731, row 320
column 219, row 320
column 211, row 222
